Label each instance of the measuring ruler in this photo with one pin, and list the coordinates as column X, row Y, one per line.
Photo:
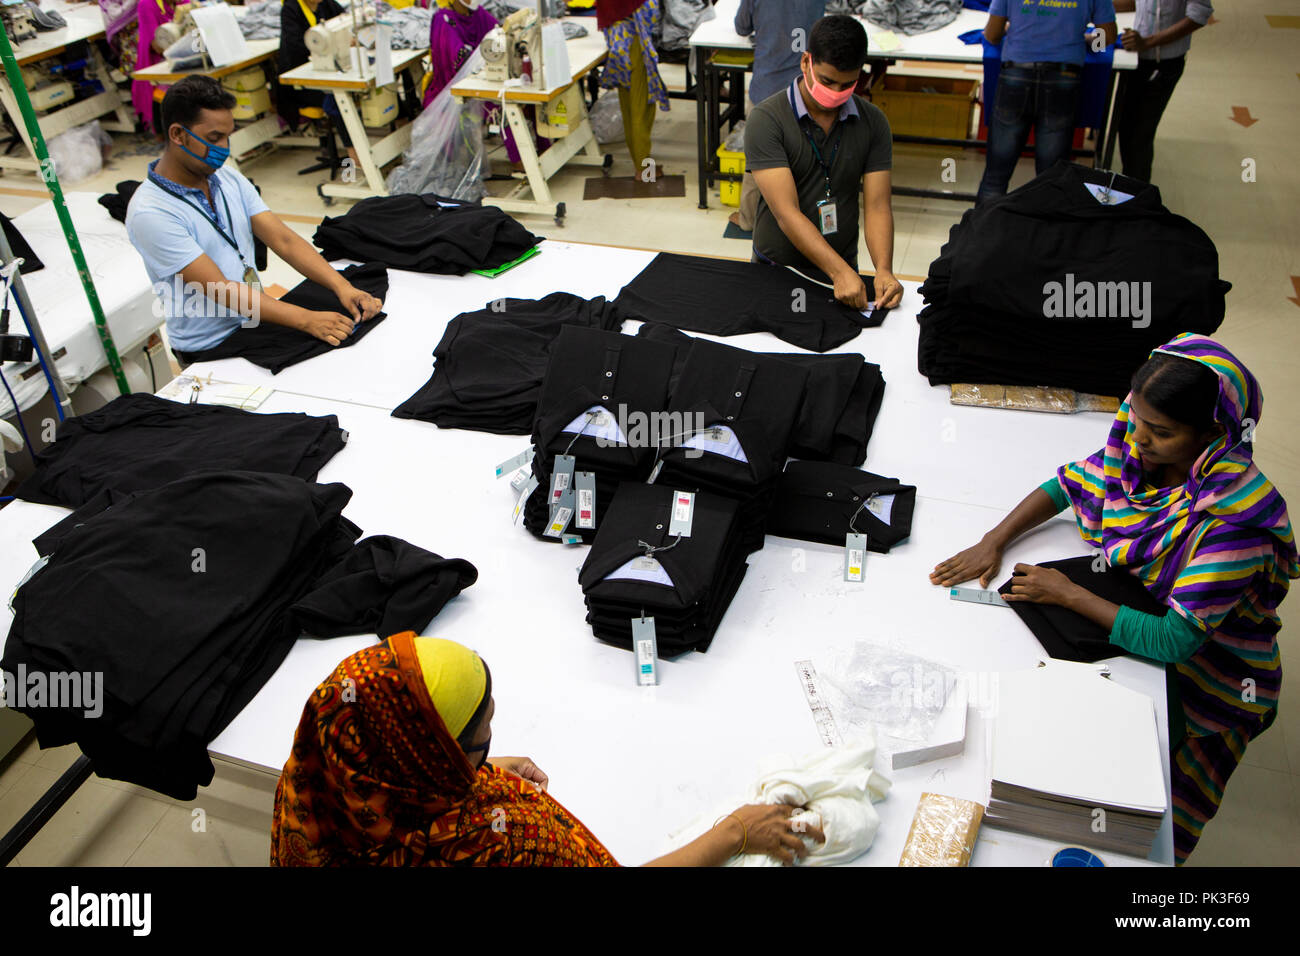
column 821, row 711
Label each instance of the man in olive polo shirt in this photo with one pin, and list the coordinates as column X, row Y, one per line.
column 814, row 148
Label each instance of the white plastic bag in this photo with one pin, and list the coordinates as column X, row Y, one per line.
column 446, row 154
column 606, row 118
column 79, row 153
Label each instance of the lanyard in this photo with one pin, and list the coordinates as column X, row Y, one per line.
column 307, row 12
column 217, row 226
column 826, row 167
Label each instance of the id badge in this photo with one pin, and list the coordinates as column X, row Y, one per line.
column 830, row 220
column 251, row 278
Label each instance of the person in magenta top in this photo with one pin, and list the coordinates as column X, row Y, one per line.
column 150, row 16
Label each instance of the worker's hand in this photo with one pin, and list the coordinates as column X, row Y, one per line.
column 1134, row 42
column 851, row 290
column 889, row 291
column 982, row 560
column 522, row 767
column 329, row 327
column 769, row 831
column 1029, row 582
column 360, row 305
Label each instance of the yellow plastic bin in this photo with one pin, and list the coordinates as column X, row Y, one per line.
column 730, row 161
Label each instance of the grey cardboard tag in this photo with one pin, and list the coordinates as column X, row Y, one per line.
column 512, row 464
column 645, row 651
column 559, row 522
column 529, row 487
column 585, row 506
column 855, row 555
column 683, row 515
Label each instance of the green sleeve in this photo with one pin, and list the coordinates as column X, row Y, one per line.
column 1169, row 639
column 1056, row 493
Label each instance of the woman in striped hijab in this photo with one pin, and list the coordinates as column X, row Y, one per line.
column 1176, row 498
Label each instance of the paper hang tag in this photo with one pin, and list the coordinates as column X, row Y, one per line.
column 645, row 651
column 683, row 514
column 585, row 509
column 562, row 478
column 515, row 463
column 529, row 487
column 855, row 555
column 882, row 506
column 646, row 563
column 559, row 522
column 519, row 480
column 654, row 472
column 571, row 539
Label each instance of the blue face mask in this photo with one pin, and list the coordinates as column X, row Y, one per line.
column 215, row 157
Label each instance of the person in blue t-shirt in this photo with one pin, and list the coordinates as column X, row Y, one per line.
column 1040, row 83
column 194, row 223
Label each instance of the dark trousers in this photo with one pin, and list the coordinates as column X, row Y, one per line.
column 1147, row 93
column 1041, row 97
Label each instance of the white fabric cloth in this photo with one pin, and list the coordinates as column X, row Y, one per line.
column 836, row 784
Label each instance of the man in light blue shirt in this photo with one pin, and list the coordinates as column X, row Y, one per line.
column 780, row 30
column 1044, row 43
column 194, row 224
column 1161, row 38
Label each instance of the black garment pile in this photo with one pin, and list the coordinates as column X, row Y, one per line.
column 140, row 441
column 685, row 584
column 731, row 298
column 117, row 202
column 489, row 365
column 1106, row 283
column 180, row 602
column 840, row 402
column 1068, row 635
column 738, row 411
column 424, row 234
column 20, row 247
column 602, row 404
column 277, row 347
column 824, row 502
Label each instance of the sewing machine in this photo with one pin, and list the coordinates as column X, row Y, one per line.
column 18, row 22
column 330, row 42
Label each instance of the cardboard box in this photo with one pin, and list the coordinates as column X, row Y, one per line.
column 927, row 106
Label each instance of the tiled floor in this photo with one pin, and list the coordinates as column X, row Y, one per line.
column 1239, row 61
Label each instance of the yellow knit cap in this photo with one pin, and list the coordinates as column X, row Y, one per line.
column 456, row 679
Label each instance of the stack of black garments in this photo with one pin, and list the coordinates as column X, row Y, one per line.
column 739, row 410
column 276, row 347
column 138, row 441
column 637, row 569
column 840, row 403
column 174, row 606
column 601, row 402
column 731, row 298
column 424, row 234
column 1107, row 282
column 490, row 364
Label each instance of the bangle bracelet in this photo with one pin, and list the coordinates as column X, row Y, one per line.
column 743, row 829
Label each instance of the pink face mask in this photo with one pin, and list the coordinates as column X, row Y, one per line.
column 827, row 98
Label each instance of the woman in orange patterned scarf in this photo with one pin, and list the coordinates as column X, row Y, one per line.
column 389, row 768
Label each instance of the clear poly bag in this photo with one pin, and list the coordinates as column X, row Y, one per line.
column 446, row 154
column 79, row 153
column 899, row 696
column 606, row 118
